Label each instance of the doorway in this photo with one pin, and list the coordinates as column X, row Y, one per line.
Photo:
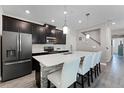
column 117, row 46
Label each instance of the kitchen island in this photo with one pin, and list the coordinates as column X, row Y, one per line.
column 50, row 63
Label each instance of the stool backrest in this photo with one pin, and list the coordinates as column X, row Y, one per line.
column 69, row 72
column 99, row 55
column 94, row 56
column 85, row 67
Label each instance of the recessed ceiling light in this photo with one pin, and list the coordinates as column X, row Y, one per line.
column 65, row 12
column 52, row 21
column 27, row 11
column 113, row 23
column 80, row 21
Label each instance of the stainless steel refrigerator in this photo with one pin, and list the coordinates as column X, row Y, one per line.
column 16, row 55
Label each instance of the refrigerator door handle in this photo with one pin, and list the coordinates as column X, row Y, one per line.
column 17, row 47
column 18, row 62
column 20, row 43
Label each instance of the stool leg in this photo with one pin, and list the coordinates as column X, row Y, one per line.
column 88, row 79
column 74, row 84
column 48, row 84
column 95, row 71
column 82, row 77
column 91, row 75
column 99, row 68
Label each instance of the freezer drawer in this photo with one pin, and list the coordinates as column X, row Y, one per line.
column 16, row 69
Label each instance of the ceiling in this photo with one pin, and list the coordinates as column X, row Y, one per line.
column 45, row 13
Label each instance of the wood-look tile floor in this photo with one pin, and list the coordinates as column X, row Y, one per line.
column 112, row 76
column 27, row 81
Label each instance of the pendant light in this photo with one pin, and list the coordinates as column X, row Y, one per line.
column 87, row 35
column 65, row 27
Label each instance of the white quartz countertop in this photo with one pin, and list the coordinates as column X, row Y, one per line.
column 56, row 59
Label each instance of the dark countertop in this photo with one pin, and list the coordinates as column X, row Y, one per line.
column 46, row 53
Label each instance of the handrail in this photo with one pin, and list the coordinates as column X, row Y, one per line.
column 84, row 33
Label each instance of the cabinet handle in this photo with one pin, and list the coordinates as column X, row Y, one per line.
column 17, row 47
column 20, row 44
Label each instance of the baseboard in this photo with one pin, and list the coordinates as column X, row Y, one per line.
column 104, row 64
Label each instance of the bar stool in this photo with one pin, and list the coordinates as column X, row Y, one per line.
column 93, row 65
column 99, row 55
column 84, row 68
column 67, row 76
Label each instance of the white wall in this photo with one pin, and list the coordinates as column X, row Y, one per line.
column 88, row 44
column 106, row 43
column 104, row 36
column 118, row 32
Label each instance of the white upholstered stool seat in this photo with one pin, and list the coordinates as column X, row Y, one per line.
column 55, row 78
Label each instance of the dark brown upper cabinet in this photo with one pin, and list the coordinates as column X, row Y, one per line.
column 10, row 24
column 25, row 27
column 63, row 39
column 49, row 29
column 60, row 37
column 16, row 25
column 38, row 34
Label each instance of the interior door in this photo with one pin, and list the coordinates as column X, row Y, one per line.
column 10, row 46
column 25, row 46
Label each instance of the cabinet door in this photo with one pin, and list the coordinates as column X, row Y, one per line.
column 63, row 39
column 38, row 34
column 24, row 27
column 15, row 25
column 34, row 34
column 41, row 34
column 50, row 32
column 10, row 24
column 60, row 37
